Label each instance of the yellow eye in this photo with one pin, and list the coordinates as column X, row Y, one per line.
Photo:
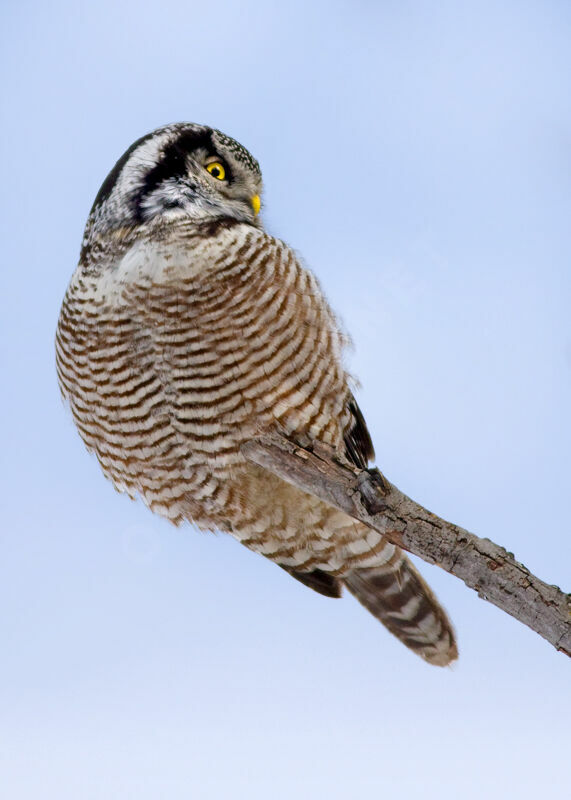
column 216, row 170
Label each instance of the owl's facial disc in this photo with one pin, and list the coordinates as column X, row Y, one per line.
column 180, row 171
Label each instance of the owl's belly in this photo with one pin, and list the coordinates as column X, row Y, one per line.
column 177, row 445
column 295, row 529
column 166, row 386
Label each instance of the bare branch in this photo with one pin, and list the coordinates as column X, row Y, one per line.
column 367, row 496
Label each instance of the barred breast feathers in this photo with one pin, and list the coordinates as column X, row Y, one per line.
column 179, row 253
column 235, row 329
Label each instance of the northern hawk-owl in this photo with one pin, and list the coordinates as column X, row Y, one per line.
column 187, row 330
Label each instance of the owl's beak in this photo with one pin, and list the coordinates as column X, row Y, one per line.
column 255, row 201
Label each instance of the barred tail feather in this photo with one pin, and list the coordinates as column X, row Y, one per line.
column 399, row 597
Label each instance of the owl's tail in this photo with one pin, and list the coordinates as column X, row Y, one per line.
column 400, row 598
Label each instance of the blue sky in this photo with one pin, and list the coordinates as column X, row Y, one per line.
column 418, row 156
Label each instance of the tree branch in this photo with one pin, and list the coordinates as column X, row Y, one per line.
column 367, row 496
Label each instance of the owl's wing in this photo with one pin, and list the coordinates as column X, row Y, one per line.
column 321, row 582
column 358, row 445
column 359, row 450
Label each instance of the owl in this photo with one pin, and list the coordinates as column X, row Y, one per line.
column 187, row 330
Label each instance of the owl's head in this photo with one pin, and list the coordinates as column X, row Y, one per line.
column 183, row 170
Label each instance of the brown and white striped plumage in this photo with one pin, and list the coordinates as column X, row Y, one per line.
column 185, row 331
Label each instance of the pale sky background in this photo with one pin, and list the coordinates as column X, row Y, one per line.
column 418, row 155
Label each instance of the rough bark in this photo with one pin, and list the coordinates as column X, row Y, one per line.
column 368, row 496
